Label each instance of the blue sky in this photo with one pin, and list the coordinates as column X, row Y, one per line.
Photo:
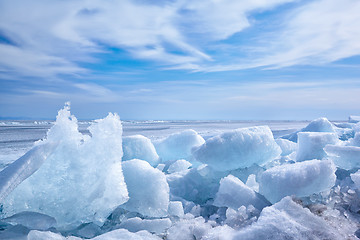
column 180, row 59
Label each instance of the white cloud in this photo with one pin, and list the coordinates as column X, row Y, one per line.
column 319, row 32
column 16, row 61
column 64, row 33
column 53, row 38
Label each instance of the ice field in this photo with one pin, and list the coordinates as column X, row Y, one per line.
column 113, row 179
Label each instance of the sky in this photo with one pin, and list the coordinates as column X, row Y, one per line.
column 180, row 59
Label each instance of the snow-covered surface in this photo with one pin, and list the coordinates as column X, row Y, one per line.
column 301, row 179
column 85, row 180
column 288, row 220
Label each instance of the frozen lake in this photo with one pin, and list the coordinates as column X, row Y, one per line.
column 17, row 137
column 212, row 182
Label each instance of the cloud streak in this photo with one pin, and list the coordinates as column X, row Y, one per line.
column 317, row 33
column 61, row 35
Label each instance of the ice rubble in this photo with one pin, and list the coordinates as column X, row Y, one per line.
column 119, row 234
column 139, row 147
column 239, row 148
column 284, row 220
column 81, row 171
column 300, row 179
column 178, row 145
column 96, row 195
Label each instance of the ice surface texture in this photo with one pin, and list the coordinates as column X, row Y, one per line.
column 288, row 220
column 239, row 148
column 148, row 189
column 300, row 179
column 81, row 180
column 178, row 145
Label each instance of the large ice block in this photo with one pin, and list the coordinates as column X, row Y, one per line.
column 317, row 125
column 139, row 147
column 148, row 189
column 178, row 145
column 234, row 193
column 345, row 157
column 300, row 179
column 239, row 148
column 311, row 145
column 81, row 180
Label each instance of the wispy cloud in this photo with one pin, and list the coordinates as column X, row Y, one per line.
column 316, row 33
column 60, row 35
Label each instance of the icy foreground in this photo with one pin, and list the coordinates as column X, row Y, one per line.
column 239, row 184
column 81, row 171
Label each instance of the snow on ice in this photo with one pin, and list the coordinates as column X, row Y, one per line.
column 239, row 148
column 311, row 145
column 317, row 125
column 102, row 185
column 300, row 179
